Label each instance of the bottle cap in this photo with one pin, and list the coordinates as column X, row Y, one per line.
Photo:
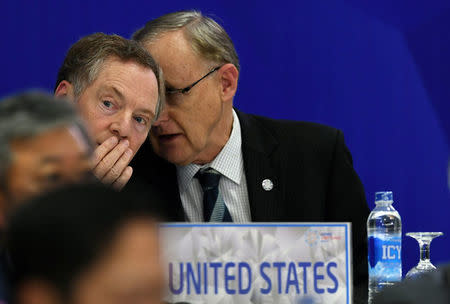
column 385, row 196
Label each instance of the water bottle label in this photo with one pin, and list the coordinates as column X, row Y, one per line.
column 385, row 257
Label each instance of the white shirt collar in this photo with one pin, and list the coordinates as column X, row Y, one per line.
column 228, row 162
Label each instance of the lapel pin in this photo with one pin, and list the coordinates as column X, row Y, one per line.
column 267, row 184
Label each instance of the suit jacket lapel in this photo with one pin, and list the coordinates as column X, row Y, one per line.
column 162, row 175
column 167, row 180
column 258, row 146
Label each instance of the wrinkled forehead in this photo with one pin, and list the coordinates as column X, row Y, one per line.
column 103, row 67
column 175, row 54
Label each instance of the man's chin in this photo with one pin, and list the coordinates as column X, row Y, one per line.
column 174, row 157
column 170, row 150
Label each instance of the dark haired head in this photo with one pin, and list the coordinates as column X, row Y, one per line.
column 57, row 237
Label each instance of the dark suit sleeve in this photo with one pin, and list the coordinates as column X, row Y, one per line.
column 346, row 202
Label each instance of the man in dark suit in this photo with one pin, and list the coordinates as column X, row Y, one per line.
column 216, row 163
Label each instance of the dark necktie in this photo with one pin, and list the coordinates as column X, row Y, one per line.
column 214, row 208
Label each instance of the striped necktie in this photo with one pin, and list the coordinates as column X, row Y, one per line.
column 214, row 208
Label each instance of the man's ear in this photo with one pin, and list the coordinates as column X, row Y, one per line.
column 36, row 292
column 229, row 76
column 65, row 90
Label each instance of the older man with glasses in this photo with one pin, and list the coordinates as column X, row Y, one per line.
column 216, row 163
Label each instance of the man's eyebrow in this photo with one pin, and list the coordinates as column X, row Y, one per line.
column 115, row 90
column 146, row 112
column 118, row 93
column 168, row 85
column 122, row 97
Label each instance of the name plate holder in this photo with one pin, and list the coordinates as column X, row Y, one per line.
column 299, row 263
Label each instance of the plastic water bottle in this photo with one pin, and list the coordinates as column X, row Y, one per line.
column 384, row 232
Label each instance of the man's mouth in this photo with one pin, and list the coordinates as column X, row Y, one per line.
column 167, row 138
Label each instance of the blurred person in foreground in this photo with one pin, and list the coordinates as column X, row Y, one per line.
column 259, row 169
column 85, row 244
column 115, row 85
column 43, row 144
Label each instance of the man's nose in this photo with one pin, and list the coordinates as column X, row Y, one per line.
column 163, row 117
column 121, row 127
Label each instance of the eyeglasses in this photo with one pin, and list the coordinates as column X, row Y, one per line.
column 185, row 90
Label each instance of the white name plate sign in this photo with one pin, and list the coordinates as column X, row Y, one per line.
column 299, row 263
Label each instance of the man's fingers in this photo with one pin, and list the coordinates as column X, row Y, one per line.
column 118, row 168
column 108, row 161
column 101, row 151
column 123, row 179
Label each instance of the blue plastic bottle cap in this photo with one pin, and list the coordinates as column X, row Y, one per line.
column 385, row 196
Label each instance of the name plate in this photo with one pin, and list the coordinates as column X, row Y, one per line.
column 299, row 263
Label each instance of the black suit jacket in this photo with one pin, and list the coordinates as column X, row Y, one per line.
column 312, row 172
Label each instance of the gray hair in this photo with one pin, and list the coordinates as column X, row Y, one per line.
column 208, row 39
column 30, row 114
column 86, row 57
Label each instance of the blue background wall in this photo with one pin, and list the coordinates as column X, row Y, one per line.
column 378, row 71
